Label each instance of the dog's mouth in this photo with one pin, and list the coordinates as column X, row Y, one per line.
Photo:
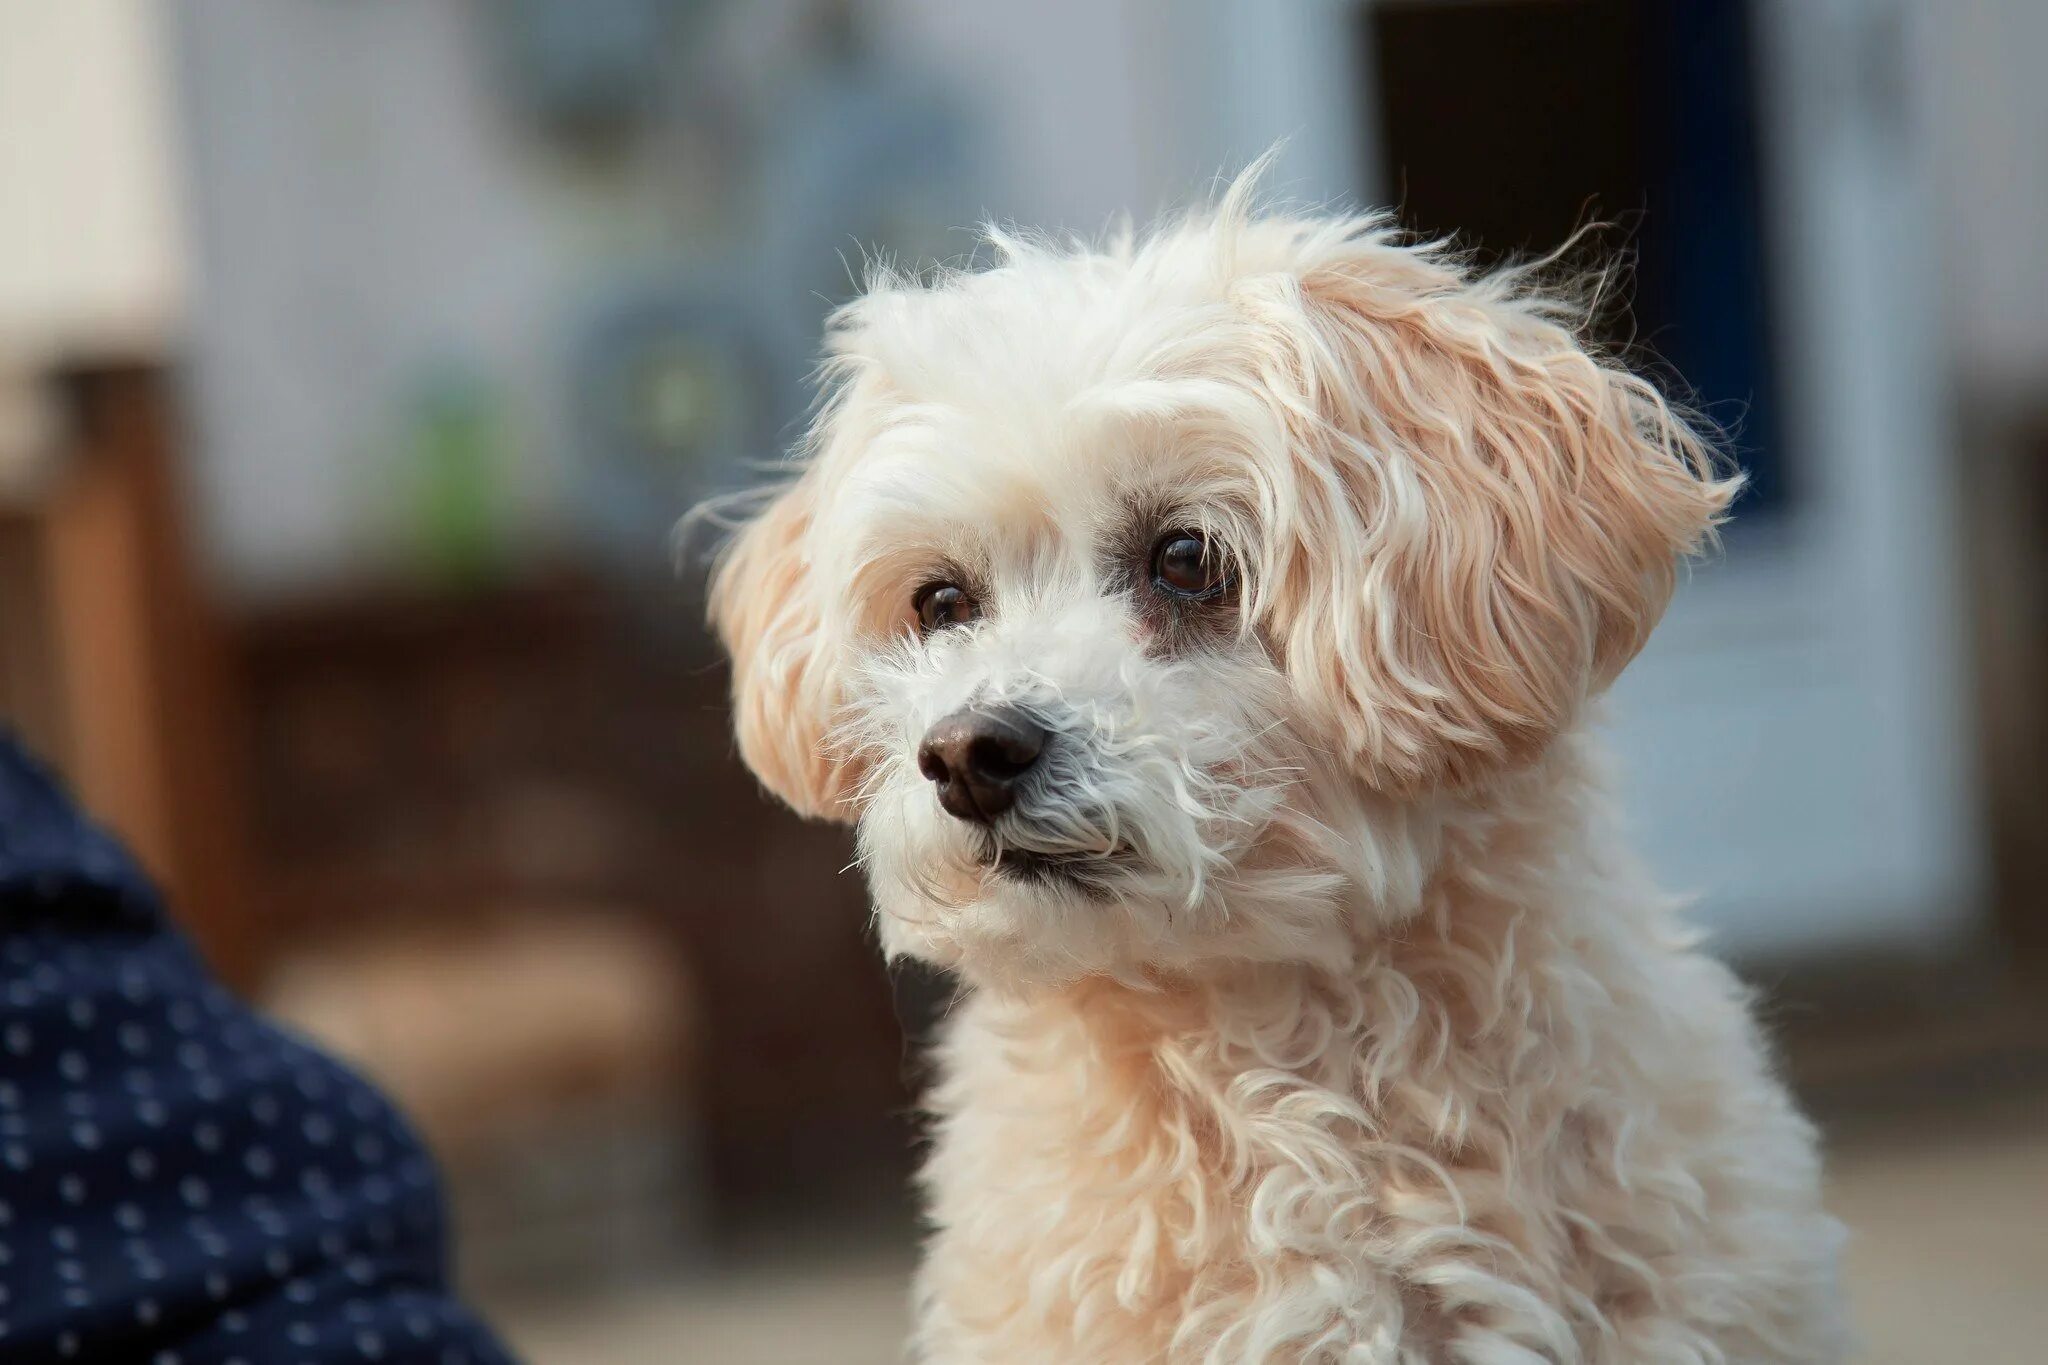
column 1092, row 873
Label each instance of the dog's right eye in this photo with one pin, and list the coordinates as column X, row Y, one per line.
column 940, row 605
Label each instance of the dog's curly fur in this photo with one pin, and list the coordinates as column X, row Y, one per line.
column 1343, row 1028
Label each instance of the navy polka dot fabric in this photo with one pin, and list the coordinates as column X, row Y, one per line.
column 180, row 1182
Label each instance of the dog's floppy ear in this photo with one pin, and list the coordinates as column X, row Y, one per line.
column 1498, row 522
column 765, row 605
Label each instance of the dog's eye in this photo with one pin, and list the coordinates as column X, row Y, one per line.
column 940, row 605
column 1185, row 565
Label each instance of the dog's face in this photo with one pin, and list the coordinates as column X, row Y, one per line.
column 1148, row 607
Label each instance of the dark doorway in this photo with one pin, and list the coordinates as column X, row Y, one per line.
column 1511, row 123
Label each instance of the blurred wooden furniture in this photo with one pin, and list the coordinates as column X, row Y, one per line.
column 110, row 658
column 2004, row 477
column 446, row 764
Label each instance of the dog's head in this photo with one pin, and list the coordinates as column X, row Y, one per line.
column 1147, row 604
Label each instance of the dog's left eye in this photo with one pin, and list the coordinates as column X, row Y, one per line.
column 939, row 605
column 1187, row 566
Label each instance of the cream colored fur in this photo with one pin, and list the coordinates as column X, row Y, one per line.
column 1363, row 1039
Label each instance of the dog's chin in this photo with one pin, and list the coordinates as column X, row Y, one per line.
column 1008, row 915
column 1015, row 908
column 1080, row 872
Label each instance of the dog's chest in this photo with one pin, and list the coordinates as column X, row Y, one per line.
column 1102, row 1194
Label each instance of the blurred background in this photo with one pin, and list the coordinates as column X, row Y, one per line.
column 357, row 360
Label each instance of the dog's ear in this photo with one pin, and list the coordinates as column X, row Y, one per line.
column 1496, row 523
column 766, row 606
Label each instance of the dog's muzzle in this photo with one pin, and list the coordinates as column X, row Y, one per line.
column 977, row 757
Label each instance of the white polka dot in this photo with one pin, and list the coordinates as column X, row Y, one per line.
column 300, row 1291
column 196, row 1193
column 20, row 1041
column 302, row 1333
column 81, row 1011
column 147, row 1312
column 129, row 1216
column 259, row 1161
column 72, row 1066
column 142, row 1163
column 67, row 1344
column 206, row 1136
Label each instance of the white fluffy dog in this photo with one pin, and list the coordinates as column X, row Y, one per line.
column 1201, row 629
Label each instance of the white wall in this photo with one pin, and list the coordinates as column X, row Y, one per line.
column 1107, row 107
column 1986, row 126
column 90, row 257
column 361, row 209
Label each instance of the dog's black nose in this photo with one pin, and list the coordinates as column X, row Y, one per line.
column 976, row 758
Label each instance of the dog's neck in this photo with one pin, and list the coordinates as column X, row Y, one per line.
column 1498, row 907
column 1491, row 914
